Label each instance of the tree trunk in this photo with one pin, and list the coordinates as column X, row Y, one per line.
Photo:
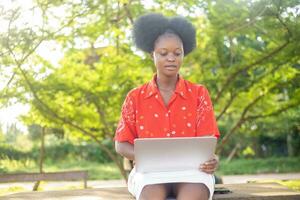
column 233, row 152
column 114, row 158
column 289, row 142
column 41, row 161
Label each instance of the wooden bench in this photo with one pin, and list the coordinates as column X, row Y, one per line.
column 49, row 176
column 246, row 191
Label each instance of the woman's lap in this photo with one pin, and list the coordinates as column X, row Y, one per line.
column 138, row 181
column 181, row 191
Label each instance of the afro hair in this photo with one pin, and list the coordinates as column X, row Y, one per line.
column 149, row 27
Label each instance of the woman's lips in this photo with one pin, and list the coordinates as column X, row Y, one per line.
column 170, row 67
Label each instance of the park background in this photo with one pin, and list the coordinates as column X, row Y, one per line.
column 68, row 66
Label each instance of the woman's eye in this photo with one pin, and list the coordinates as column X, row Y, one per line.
column 166, row 53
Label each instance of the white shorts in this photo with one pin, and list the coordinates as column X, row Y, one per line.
column 137, row 181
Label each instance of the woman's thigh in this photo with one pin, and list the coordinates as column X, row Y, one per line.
column 155, row 192
column 191, row 191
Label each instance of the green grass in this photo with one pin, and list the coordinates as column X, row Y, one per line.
column 258, row 166
column 97, row 171
column 100, row 171
column 42, row 187
column 10, row 190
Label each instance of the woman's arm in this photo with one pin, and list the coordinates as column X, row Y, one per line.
column 125, row 149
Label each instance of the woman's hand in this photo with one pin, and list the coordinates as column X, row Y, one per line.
column 210, row 166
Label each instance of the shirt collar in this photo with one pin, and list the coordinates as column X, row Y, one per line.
column 152, row 88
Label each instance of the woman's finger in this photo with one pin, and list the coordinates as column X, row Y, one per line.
column 209, row 171
column 208, row 167
column 211, row 161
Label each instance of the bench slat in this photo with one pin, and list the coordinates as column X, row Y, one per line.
column 50, row 176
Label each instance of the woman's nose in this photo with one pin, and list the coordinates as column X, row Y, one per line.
column 170, row 58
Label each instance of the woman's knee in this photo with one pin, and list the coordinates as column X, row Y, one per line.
column 154, row 192
column 192, row 191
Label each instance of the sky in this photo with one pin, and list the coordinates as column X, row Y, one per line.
column 10, row 115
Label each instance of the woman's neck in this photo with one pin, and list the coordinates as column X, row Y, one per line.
column 166, row 83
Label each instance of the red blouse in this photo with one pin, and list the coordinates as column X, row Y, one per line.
column 189, row 113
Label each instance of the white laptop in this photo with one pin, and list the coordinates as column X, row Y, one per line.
column 172, row 154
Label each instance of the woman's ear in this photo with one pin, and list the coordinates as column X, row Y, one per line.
column 152, row 55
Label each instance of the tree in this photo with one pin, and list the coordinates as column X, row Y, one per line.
column 41, row 133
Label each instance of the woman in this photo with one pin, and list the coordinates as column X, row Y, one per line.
column 167, row 106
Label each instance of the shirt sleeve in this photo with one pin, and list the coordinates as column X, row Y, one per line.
column 206, row 123
column 126, row 131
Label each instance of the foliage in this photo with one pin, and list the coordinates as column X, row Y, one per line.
column 8, row 151
column 58, row 152
column 259, row 166
column 35, row 132
column 85, row 152
column 2, row 136
column 9, row 165
column 12, row 133
column 248, row 152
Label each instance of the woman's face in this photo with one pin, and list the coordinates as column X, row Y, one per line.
column 168, row 54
